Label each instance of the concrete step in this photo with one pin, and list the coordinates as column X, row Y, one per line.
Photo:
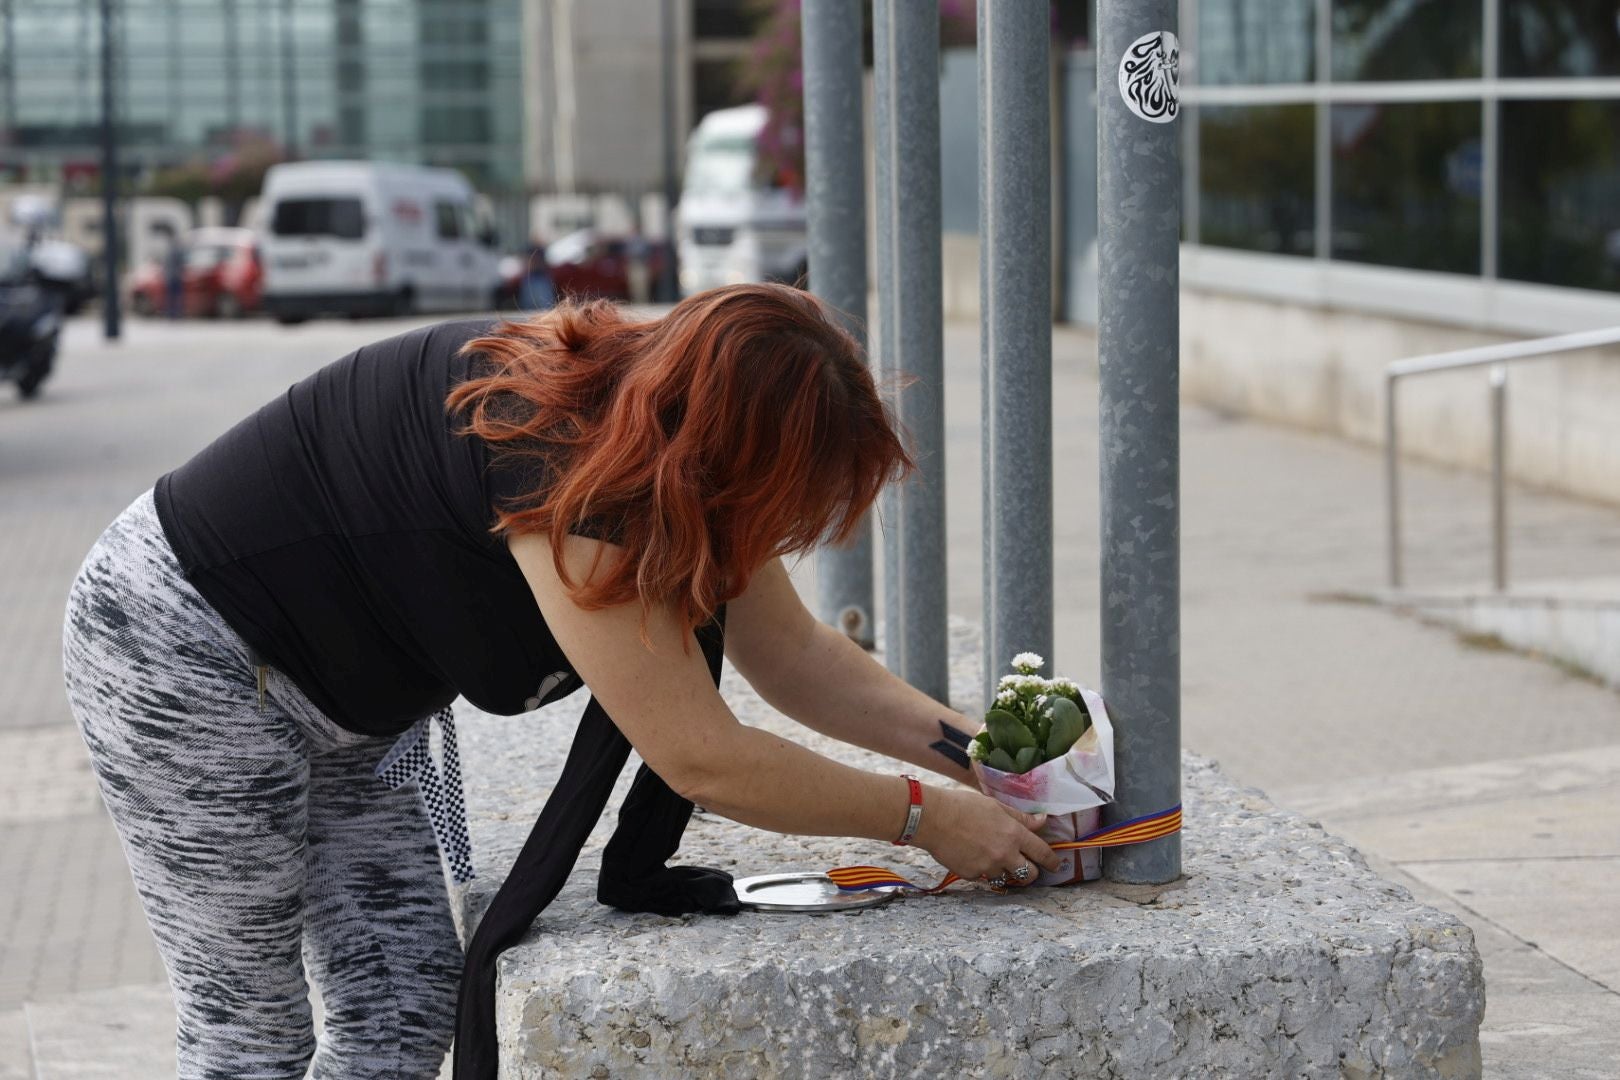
column 1573, row 623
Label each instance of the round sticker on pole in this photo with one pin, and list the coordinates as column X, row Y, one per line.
column 1150, row 77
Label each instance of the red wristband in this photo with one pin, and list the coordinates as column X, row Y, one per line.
column 913, row 812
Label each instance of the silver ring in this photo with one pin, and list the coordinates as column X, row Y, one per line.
column 999, row 881
column 1022, row 873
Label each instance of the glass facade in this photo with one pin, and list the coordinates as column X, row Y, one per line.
column 430, row 81
column 1560, row 217
column 1430, row 153
column 1257, row 187
column 1247, row 42
column 1551, row 38
column 1406, row 185
column 1387, row 40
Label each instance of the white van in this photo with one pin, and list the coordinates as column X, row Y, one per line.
column 736, row 223
column 371, row 238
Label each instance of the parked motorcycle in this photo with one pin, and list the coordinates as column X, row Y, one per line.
column 30, row 324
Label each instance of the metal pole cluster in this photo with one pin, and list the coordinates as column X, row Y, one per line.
column 1139, row 191
column 835, row 196
column 1015, row 291
column 1139, row 225
column 910, row 346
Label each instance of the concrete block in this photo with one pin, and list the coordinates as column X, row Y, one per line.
column 1279, row 954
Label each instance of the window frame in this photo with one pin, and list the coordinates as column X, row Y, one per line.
column 1482, row 299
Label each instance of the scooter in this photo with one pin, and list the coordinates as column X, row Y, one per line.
column 30, row 324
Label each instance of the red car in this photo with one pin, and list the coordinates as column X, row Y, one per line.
column 223, row 277
column 586, row 264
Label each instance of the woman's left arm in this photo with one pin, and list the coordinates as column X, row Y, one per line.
column 810, row 672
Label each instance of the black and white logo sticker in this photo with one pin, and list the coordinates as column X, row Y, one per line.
column 1150, row 77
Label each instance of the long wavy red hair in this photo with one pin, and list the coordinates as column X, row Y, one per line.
column 741, row 426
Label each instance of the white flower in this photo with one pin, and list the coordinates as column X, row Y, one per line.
column 976, row 750
column 1006, row 697
column 1066, row 687
column 1027, row 662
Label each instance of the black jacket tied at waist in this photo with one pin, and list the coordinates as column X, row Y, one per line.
column 634, row 876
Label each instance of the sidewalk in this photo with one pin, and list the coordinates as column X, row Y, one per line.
column 1345, row 711
column 1353, row 714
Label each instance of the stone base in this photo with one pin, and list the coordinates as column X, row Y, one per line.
column 1279, row 953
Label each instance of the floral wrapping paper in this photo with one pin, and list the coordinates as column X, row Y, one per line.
column 1071, row 790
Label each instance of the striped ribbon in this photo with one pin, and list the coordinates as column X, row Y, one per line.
column 1135, row 831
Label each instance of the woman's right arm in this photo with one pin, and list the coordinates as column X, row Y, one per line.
column 667, row 706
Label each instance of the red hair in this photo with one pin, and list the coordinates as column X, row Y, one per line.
column 741, row 426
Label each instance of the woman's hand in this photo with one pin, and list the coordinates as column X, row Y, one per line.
column 974, row 836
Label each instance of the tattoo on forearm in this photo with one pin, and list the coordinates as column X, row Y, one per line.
column 953, row 746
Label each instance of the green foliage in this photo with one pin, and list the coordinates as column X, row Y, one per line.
column 1034, row 721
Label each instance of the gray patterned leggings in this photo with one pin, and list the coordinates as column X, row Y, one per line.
column 259, row 839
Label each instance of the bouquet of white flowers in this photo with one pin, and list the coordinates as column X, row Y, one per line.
column 1048, row 748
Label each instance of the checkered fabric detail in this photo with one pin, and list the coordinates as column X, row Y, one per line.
column 411, row 758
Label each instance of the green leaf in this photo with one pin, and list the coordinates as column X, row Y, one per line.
column 999, row 759
column 1068, row 724
column 1007, row 731
column 1026, row 760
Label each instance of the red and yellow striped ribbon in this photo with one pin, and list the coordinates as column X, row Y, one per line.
column 1135, row 831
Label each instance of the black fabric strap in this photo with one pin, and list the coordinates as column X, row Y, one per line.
column 634, row 875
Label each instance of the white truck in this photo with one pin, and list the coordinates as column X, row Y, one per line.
column 373, row 238
column 736, row 223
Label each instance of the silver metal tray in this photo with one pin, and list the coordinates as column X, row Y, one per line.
column 809, row 891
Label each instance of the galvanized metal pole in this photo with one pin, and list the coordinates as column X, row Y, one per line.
column 1015, row 296
column 1139, row 212
column 835, row 197
column 905, row 41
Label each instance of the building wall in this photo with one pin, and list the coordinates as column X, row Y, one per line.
column 1323, row 369
column 430, row 81
column 594, row 93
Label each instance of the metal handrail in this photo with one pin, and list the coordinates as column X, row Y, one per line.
column 1496, row 357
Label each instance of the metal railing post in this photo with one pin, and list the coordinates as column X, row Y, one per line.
column 1392, row 478
column 1015, row 297
column 905, row 45
column 1499, row 553
column 1497, row 358
column 835, row 197
column 1139, row 219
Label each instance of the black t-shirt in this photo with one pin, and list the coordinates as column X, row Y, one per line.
column 343, row 531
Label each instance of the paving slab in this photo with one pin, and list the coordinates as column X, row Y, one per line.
column 1551, row 1037
column 1582, row 825
column 1411, row 792
column 16, row 1061
column 115, row 1034
column 1567, row 907
column 45, row 774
